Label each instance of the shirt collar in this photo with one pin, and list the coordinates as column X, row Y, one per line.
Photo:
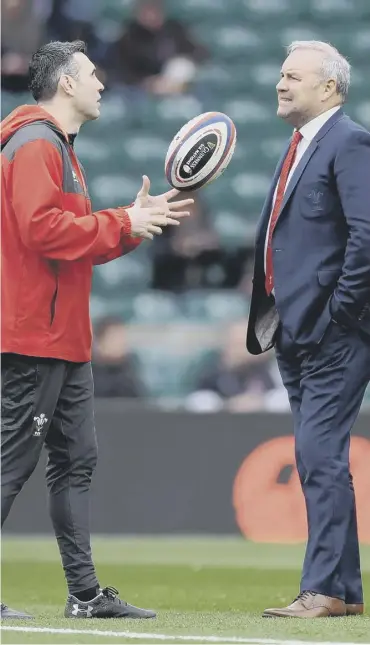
column 311, row 128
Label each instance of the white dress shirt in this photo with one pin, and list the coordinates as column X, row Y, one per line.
column 308, row 132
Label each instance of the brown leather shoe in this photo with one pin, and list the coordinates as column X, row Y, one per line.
column 309, row 605
column 354, row 610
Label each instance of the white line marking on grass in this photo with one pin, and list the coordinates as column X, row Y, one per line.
column 167, row 637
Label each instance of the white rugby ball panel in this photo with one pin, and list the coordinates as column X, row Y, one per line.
column 200, row 151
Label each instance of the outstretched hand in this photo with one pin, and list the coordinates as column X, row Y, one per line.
column 150, row 213
column 162, row 201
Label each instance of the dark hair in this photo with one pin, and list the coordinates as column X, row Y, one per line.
column 49, row 63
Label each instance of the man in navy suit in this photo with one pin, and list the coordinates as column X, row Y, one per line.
column 311, row 301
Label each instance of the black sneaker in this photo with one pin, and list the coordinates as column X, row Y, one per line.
column 12, row 614
column 106, row 605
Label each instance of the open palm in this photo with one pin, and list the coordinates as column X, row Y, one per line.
column 174, row 210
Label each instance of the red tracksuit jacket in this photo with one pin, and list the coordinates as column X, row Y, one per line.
column 50, row 240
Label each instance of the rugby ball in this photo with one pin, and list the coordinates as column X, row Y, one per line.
column 200, row 151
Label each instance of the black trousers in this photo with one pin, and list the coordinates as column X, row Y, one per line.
column 49, row 402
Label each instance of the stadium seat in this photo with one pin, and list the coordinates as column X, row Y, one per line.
column 156, row 307
column 168, row 373
column 102, row 306
column 193, row 11
column 273, row 12
column 10, row 101
column 323, row 10
column 361, row 47
column 178, row 109
column 113, row 190
column 266, row 74
column 300, row 31
column 235, row 229
column 214, row 306
column 116, row 10
column 231, row 41
column 358, row 73
column 362, row 9
column 115, row 108
column 248, row 111
column 362, row 113
column 215, row 81
column 242, row 193
column 251, row 185
column 131, row 272
column 270, row 151
column 91, row 154
column 145, row 153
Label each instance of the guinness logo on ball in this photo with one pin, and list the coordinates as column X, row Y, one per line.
column 198, row 156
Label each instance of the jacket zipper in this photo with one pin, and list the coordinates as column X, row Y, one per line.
column 53, row 303
column 77, row 169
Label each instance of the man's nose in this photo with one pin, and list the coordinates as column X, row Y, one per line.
column 281, row 86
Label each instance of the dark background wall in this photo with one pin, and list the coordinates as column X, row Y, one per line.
column 164, row 472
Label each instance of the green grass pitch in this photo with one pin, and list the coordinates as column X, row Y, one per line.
column 204, row 589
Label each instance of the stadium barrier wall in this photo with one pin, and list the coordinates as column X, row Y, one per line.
column 183, row 473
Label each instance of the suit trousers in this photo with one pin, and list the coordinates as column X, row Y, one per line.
column 49, row 402
column 326, row 386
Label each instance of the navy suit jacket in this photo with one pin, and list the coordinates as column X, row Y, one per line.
column 321, row 243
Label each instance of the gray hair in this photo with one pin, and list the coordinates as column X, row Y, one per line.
column 333, row 65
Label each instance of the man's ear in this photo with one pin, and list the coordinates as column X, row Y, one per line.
column 67, row 83
column 330, row 88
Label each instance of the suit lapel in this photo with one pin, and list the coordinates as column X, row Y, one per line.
column 298, row 172
column 266, row 210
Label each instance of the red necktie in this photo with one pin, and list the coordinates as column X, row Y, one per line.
column 287, row 166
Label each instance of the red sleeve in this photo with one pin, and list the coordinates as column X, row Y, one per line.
column 37, row 199
column 126, row 245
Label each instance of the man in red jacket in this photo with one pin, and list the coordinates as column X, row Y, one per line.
column 50, row 240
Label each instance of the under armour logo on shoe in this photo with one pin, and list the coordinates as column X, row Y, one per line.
column 77, row 610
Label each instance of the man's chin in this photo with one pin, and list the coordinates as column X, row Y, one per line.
column 284, row 111
column 93, row 115
column 288, row 114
